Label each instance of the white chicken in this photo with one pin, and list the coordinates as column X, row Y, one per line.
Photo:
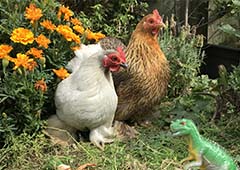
column 87, row 100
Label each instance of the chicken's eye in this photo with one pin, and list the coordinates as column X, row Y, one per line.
column 151, row 21
column 114, row 58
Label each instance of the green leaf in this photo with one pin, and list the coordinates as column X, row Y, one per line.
column 4, row 97
column 236, row 2
column 230, row 30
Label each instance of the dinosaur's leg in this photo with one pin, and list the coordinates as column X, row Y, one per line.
column 197, row 163
column 189, row 158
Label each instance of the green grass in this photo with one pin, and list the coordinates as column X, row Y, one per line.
column 154, row 149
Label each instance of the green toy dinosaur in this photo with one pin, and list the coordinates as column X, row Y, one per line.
column 203, row 153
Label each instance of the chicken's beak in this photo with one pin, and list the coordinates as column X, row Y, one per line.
column 124, row 65
column 162, row 25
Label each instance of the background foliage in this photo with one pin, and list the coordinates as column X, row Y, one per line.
column 190, row 94
column 224, row 28
column 231, row 9
column 114, row 18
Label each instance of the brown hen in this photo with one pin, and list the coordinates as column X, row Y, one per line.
column 144, row 83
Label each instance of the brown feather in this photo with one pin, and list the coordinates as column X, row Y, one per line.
column 144, row 83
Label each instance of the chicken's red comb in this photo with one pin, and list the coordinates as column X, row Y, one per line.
column 122, row 54
column 156, row 13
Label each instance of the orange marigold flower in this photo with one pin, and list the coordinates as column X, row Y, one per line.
column 66, row 11
column 75, row 21
column 90, row 34
column 67, row 33
column 31, row 65
column 35, row 52
column 75, row 48
column 99, row 36
column 48, row 25
column 61, row 73
column 42, row 41
column 22, row 35
column 33, row 13
column 94, row 36
column 21, row 60
column 41, row 85
column 76, row 38
column 79, row 29
column 5, row 50
column 9, row 58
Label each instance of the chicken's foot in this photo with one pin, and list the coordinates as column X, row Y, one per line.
column 124, row 131
column 101, row 135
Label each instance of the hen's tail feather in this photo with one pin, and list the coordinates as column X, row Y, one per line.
column 83, row 53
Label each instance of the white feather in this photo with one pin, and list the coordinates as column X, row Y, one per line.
column 83, row 53
column 87, row 98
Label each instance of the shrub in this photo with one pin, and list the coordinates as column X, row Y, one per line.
column 191, row 94
column 184, row 55
column 186, row 87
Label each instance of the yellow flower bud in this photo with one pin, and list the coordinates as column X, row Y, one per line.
column 4, row 115
column 5, row 63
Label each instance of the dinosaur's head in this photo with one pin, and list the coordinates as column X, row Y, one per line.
column 183, row 127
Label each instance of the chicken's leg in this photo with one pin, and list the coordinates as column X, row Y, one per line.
column 124, row 131
column 101, row 135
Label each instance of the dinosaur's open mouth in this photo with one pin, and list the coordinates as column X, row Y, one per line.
column 175, row 132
